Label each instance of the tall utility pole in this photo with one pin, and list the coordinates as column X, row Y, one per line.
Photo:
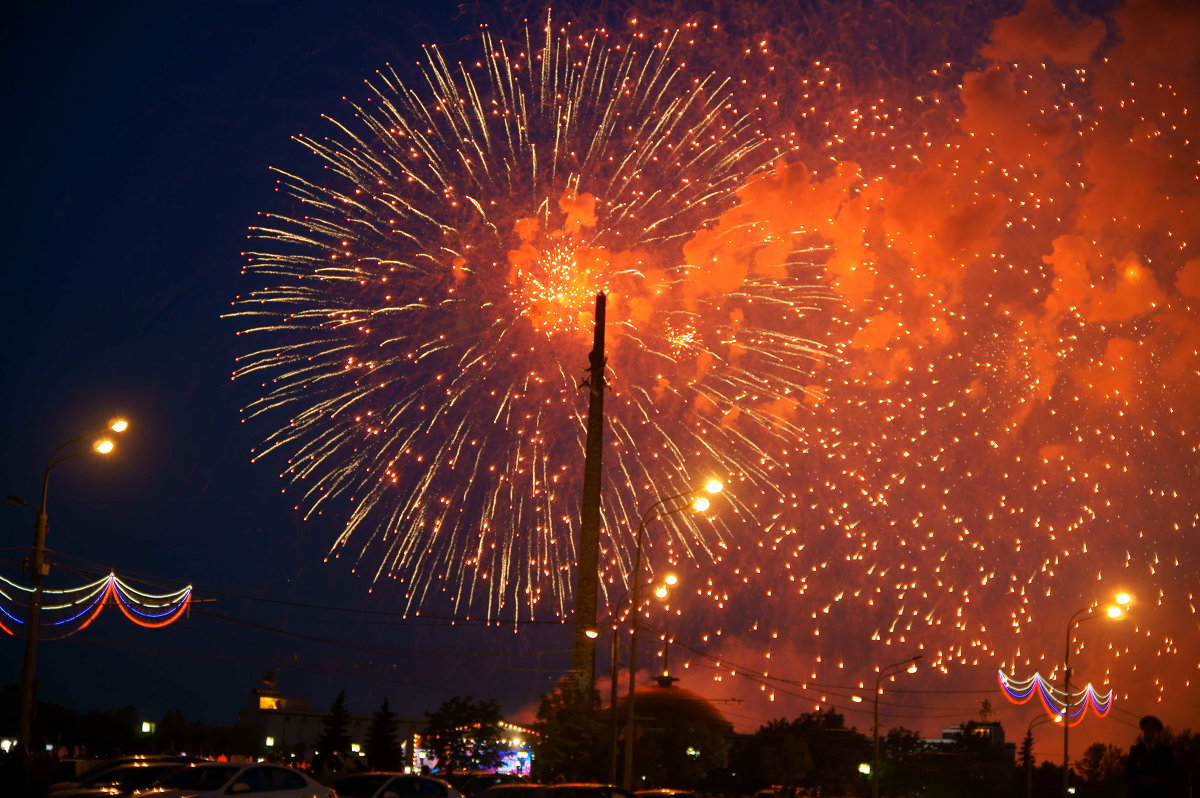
column 33, row 622
column 38, row 568
column 583, row 662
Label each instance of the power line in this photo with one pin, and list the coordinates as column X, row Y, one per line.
column 376, row 648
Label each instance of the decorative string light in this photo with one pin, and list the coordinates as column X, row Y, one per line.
column 68, row 611
column 1054, row 700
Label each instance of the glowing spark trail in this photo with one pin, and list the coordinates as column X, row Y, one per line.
column 425, row 312
column 1009, row 426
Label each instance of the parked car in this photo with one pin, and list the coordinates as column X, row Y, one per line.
column 522, row 790
column 90, row 771
column 210, row 780
column 664, row 792
column 394, row 785
column 123, row 779
column 581, row 791
column 478, row 782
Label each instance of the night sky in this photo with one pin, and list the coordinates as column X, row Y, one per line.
column 997, row 208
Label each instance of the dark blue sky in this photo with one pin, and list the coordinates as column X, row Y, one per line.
column 139, row 137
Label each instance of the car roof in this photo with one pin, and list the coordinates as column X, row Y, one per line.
column 400, row 773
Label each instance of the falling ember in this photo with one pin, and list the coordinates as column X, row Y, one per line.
column 1007, row 430
column 1010, row 434
column 427, row 309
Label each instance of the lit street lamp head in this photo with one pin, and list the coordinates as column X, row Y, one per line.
column 663, row 590
column 38, row 567
column 714, row 486
column 701, row 504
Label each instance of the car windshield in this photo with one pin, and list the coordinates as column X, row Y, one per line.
column 363, row 786
column 203, row 777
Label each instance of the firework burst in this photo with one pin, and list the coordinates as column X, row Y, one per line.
column 425, row 315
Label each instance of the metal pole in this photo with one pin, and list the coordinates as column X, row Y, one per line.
column 875, row 744
column 38, row 568
column 1066, row 717
column 612, row 706
column 33, row 621
column 634, row 612
column 587, row 583
column 1066, row 789
column 634, row 607
column 1029, row 762
column 895, row 667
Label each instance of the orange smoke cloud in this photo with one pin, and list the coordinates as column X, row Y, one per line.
column 1042, row 31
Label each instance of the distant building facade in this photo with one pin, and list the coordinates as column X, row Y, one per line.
column 291, row 726
column 992, row 731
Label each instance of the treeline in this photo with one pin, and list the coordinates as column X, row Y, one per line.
column 812, row 754
column 114, row 732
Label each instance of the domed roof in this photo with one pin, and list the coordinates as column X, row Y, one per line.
column 663, row 704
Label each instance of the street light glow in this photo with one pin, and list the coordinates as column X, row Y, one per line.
column 1115, row 611
column 671, row 579
column 38, row 567
column 1124, row 599
column 701, row 504
column 714, row 486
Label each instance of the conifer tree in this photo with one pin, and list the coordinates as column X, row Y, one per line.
column 335, row 729
column 383, row 744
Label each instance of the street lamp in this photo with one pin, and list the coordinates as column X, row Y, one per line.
column 614, row 665
column 909, row 665
column 659, row 509
column 38, row 567
column 1113, row 611
column 1038, row 720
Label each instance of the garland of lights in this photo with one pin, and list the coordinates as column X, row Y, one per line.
column 1055, row 700
column 65, row 612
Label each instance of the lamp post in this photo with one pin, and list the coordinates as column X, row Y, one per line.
column 700, row 504
column 614, row 665
column 38, row 567
column 1038, row 720
column 1113, row 611
column 909, row 665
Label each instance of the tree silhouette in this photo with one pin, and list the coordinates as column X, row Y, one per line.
column 383, row 744
column 1103, row 769
column 335, row 728
column 464, row 734
column 571, row 742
